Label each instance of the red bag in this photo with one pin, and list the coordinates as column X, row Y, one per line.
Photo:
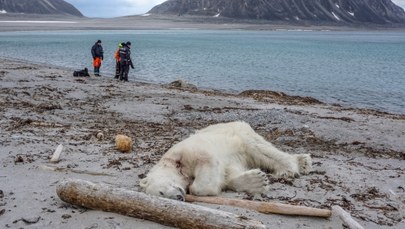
column 97, row 62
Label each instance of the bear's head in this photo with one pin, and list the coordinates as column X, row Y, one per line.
column 167, row 179
column 164, row 187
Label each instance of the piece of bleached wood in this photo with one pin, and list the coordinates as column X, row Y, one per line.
column 263, row 207
column 346, row 217
column 56, row 155
column 80, row 171
column 140, row 205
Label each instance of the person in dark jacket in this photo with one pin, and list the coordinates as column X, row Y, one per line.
column 98, row 56
column 125, row 61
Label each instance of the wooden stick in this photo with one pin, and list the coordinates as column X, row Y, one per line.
column 80, row 171
column 346, row 217
column 56, row 154
column 263, row 207
column 165, row 211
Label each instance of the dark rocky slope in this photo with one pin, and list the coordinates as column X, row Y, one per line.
column 329, row 11
column 58, row 7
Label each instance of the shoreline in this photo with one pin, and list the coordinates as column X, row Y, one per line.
column 358, row 155
column 260, row 95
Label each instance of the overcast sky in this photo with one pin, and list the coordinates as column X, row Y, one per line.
column 400, row 3
column 116, row 8
column 113, row 8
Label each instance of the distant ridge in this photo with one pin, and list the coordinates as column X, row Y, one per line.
column 59, row 7
column 315, row 11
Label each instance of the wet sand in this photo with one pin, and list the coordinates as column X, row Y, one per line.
column 358, row 154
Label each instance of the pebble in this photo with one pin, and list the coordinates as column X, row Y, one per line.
column 31, row 220
column 66, row 216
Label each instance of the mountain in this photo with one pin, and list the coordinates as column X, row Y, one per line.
column 38, row 7
column 329, row 11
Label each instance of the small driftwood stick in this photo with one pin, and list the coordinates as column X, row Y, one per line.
column 80, row 171
column 263, row 207
column 140, row 205
column 346, row 217
column 56, row 155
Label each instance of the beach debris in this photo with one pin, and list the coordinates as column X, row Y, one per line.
column 71, row 166
column 345, row 217
column 346, row 119
column 23, row 158
column 31, row 220
column 56, row 155
column 3, row 73
column 263, row 207
column 66, row 216
column 18, row 123
column 123, row 143
column 392, row 192
column 182, row 84
column 2, row 211
column 19, row 159
column 48, row 107
column 114, row 163
column 93, row 226
column 100, row 135
column 188, row 107
column 80, row 80
column 79, row 171
column 140, row 205
column 279, row 97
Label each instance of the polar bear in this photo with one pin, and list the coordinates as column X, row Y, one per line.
column 226, row 156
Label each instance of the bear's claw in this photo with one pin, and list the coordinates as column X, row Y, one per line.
column 304, row 163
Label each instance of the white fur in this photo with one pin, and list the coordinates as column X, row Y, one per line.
column 219, row 157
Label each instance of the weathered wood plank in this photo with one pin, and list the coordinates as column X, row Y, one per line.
column 263, row 207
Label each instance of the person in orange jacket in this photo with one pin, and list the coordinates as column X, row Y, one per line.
column 98, row 55
column 117, row 60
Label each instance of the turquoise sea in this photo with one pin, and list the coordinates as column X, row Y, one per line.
column 356, row 69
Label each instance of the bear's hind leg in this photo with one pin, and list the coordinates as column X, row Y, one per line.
column 251, row 181
column 304, row 163
column 268, row 157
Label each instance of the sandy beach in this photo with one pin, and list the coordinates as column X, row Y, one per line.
column 358, row 154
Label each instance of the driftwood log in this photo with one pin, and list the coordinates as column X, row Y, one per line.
column 56, row 155
column 346, row 218
column 263, row 207
column 164, row 211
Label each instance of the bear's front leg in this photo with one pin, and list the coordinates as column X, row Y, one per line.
column 251, row 181
column 208, row 181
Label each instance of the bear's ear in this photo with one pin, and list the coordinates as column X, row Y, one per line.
column 144, row 182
